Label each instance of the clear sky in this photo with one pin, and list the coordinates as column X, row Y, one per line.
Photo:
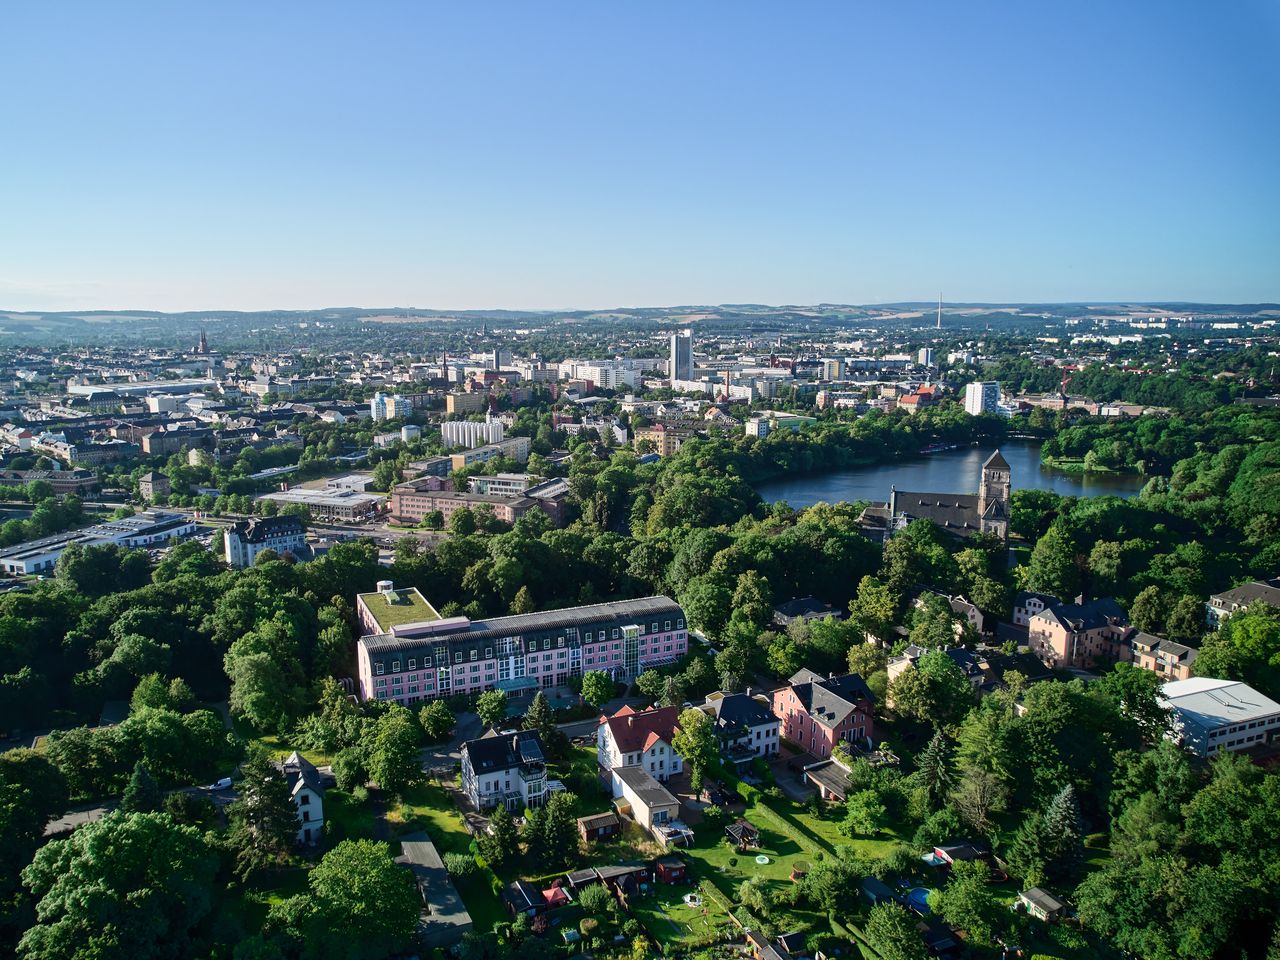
column 256, row 155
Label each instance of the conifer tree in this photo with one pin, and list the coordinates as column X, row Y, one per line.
column 935, row 769
column 143, row 794
column 264, row 821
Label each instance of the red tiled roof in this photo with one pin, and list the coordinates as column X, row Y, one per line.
column 634, row 730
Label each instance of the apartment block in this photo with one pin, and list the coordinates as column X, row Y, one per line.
column 409, row 653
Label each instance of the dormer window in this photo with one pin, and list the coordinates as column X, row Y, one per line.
column 379, row 668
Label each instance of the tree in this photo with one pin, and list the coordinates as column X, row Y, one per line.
column 360, row 905
column 539, row 716
column 143, row 793
column 502, row 840
column 695, row 742
column 979, row 794
column 523, row 601
column 1047, row 847
column 936, row 690
column 552, row 832
column 893, row 932
column 263, row 820
column 1185, row 623
column 874, row 609
column 597, row 688
column 437, row 721
column 32, row 792
column 966, row 901
column 1136, row 691
column 594, row 899
column 129, row 885
column 934, row 766
column 864, row 813
column 491, row 707
column 1053, row 568
column 866, row 659
column 392, row 757
column 1147, row 611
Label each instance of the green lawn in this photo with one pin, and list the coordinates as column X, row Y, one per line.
column 346, row 817
column 669, row 920
column 428, row 807
column 409, row 607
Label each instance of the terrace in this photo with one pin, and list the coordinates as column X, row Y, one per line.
column 399, row 607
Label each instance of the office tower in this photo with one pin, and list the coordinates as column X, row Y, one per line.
column 681, row 366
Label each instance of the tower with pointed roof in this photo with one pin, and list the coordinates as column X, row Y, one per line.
column 993, row 496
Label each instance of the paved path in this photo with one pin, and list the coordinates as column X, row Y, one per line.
column 90, row 814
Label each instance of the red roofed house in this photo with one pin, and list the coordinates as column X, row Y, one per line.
column 632, row 738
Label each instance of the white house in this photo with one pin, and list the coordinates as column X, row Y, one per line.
column 1027, row 605
column 245, row 539
column 506, row 768
column 642, row 739
column 308, row 796
column 745, row 725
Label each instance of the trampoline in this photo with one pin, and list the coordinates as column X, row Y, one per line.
column 918, row 899
column 761, row 858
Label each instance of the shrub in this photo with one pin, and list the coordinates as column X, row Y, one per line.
column 460, row 865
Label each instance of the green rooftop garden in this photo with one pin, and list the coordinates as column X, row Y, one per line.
column 409, row 606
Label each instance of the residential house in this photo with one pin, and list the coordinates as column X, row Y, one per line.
column 307, row 793
column 1222, row 605
column 817, row 712
column 745, row 726
column 1027, row 604
column 802, row 610
column 651, row 804
column 152, row 485
column 643, row 739
column 1211, row 716
column 1086, row 633
column 506, row 768
column 1160, row 655
column 245, row 539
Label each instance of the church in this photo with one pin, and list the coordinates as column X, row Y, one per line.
column 961, row 514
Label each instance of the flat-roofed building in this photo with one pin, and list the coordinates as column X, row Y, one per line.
column 514, row 448
column 344, row 505
column 147, row 529
column 1211, row 716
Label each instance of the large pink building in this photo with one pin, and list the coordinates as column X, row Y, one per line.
column 818, row 712
column 409, row 653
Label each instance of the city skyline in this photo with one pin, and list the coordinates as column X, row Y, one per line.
column 179, row 159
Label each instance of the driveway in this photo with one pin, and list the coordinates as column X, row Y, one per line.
column 790, row 781
column 440, row 759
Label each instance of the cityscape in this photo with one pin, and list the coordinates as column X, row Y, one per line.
column 862, row 622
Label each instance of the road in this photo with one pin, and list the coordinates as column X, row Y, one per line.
column 82, row 815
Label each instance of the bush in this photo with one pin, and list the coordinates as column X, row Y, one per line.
column 460, row 865
column 733, row 861
column 594, row 899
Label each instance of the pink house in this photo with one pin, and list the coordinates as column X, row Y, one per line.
column 818, row 712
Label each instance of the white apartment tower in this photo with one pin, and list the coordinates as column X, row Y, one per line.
column 982, row 397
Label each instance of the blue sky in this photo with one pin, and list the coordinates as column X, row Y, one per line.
column 557, row 155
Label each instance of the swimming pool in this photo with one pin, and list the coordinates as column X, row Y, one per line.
column 918, row 899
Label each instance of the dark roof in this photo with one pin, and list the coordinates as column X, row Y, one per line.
column 520, row 623
column 832, row 776
column 742, row 828
column 261, row 529
column 1154, row 644
column 597, row 820
column 1089, row 615
column 829, row 701
column 956, row 512
column 524, row 896
column 805, row 608
column 876, row 889
column 739, row 712
column 1260, row 591
column 997, row 461
column 1043, row 899
column 642, row 784
column 502, row 751
column 301, row 772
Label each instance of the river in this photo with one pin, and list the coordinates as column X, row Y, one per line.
column 951, row 471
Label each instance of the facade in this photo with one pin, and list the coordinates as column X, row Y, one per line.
column 413, row 500
column 1159, row 655
column 1027, row 604
column 245, row 539
column 680, row 366
column 150, row 528
column 1081, row 634
column 459, row 403
column 344, row 505
column 389, row 406
column 652, row 804
column 307, row 794
column 505, row 768
column 641, row 739
column 1211, row 716
column 817, row 712
column 667, row 439
column 77, row 482
column 468, row 433
column 502, row 484
column 745, row 726
column 980, row 398
column 1222, row 605
column 409, row 653
column 152, row 485
column 515, row 448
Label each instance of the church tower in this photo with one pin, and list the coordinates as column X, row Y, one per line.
column 994, row 489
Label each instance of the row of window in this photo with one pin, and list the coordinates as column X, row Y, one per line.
column 1227, row 731
column 379, row 668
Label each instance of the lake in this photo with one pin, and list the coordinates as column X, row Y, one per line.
column 951, row 471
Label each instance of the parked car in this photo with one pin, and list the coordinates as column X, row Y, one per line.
column 222, row 784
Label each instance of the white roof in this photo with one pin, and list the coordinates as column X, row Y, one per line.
column 1217, row 703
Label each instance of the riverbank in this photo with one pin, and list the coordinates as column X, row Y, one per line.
column 1077, row 465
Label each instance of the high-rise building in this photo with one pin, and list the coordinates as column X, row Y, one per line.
column 982, row 397
column 388, row 406
column 681, row 365
column 925, row 357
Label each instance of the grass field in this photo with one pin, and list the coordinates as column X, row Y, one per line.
column 669, row 920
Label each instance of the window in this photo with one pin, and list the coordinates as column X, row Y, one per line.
column 654, row 627
column 379, row 668
column 304, row 799
column 559, row 641
column 488, row 653
column 395, row 666
column 614, row 633
column 588, row 637
column 666, row 625
column 413, row 664
column 475, row 654
column 679, row 624
column 457, row 657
